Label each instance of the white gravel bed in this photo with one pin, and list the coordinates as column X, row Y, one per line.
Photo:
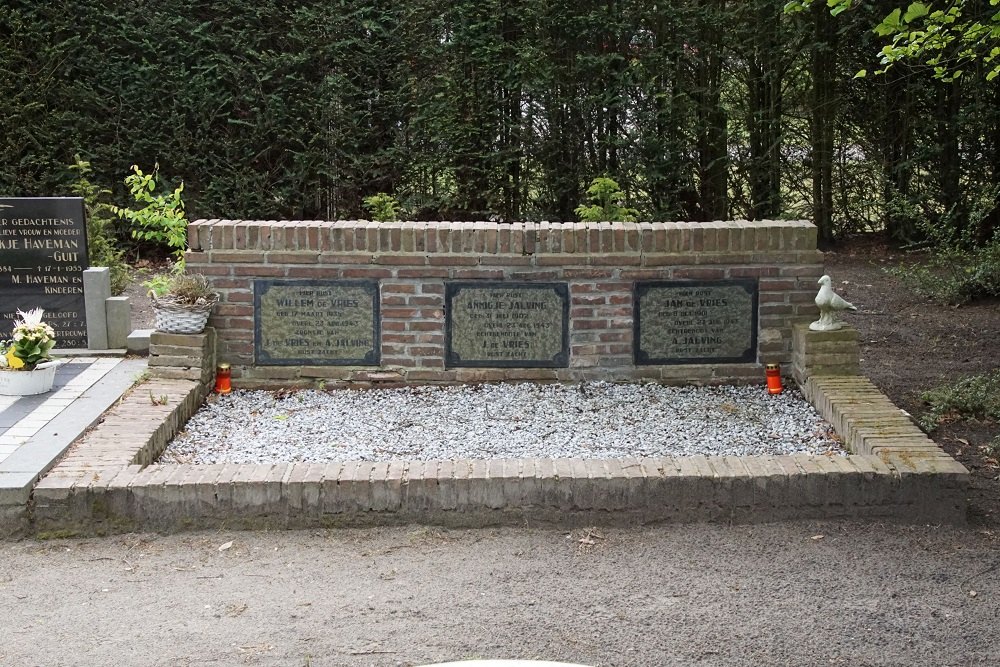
column 595, row 420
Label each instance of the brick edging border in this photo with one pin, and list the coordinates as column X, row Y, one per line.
column 108, row 484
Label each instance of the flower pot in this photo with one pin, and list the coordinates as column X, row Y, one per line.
column 180, row 321
column 181, row 318
column 29, row 383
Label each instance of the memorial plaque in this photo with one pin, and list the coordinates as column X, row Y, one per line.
column 695, row 322
column 43, row 252
column 316, row 322
column 511, row 325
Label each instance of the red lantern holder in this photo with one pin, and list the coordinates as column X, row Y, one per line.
column 773, row 373
column 223, row 379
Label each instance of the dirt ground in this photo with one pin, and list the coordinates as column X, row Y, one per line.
column 910, row 345
column 795, row 593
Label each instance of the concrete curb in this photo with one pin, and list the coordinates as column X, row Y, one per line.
column 107, row 482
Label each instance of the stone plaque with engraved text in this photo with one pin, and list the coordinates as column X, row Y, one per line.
column 316, row 322
column 43, row 253
column 695, row 322
column 510, row 325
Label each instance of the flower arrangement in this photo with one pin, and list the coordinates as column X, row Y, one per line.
column 30, row 343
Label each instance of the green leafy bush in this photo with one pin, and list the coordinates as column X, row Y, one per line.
column 958, row 268
column 382, row 207
column 102, row 245
column 975, row 397
column 606, row 198
column 161, row 218
column 956, row 276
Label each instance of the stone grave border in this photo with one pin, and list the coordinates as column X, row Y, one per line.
column 108, row 483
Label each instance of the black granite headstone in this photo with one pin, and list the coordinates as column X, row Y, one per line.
column 43, row 253
column 695, row 322
column 507, row 325
column 316, row 322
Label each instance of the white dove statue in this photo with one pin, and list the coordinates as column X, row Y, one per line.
column 830, row 304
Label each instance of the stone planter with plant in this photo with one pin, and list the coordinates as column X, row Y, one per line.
column 181, row 302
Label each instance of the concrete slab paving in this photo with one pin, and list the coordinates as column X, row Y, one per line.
column 36, row 430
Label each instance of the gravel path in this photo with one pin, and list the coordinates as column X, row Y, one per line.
column 590, row 420
column 832, row 594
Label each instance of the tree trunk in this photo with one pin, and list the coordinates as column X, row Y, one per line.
column 823, row 118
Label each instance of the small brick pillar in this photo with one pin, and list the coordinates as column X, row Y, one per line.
column 817, row 353
column 183, row 356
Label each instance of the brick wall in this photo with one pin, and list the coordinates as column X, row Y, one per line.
column 413, row 260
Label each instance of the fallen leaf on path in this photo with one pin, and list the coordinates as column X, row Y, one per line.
column 817, row 537
column 227, row 545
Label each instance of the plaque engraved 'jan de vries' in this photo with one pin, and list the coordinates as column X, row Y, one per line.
column 514, row 325
column 316, row 322
column 693, row 322
column 43, row 253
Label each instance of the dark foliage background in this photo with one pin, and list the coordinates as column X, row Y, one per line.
column 700, row 109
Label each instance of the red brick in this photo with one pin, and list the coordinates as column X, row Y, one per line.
column 425, row 326
column 616, row 260
column 802, row 297
column 405, row 362
column 588, row 300
column 260, row 271
column 642, row 274
column 233, row 309
column 452, row 260
column 425, row 351
column 752, row 271
column 312, row 272
column 700, row 273
column 584, row 325
column 399, row 312
column 477, row 274
column 298, row 257
column 399, row 288
column 236, row 257
column 429, row 300
column 506, row 260
column 558, row 260
column 588, row 273
column 422, row 273
column 400, row 260
column 367, row 272
column 534, row 275
column 773, row 284
column 344, row 258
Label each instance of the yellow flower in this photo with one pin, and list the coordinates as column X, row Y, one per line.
column 14, row 361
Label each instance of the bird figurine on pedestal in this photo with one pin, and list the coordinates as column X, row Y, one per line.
column 829, row 304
